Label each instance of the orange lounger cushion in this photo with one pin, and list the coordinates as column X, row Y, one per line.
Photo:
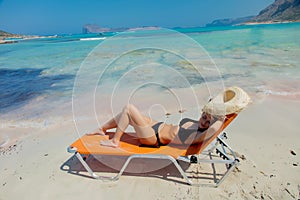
column 130, row 145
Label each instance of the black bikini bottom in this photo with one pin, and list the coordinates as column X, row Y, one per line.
column 155, row 127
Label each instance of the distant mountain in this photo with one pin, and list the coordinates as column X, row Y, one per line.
column 229, row 22
column 279, row 11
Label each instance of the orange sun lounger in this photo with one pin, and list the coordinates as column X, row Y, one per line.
column 130, row 147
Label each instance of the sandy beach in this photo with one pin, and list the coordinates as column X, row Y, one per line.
column 264, row 136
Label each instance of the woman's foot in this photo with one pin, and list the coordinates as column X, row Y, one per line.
column 99, row 132
column 109, row 143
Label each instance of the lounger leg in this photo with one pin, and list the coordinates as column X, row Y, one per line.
column 227, row 173
column 115, row 178
column 214, row 168
column 85, row 165
column 183, row 174
column 92, row 174
column 225, row 155
column 154, row 156
column 228, row 158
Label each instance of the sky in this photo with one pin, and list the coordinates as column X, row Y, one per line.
column 46, row 17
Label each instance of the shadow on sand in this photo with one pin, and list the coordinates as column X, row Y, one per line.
column 141, row 167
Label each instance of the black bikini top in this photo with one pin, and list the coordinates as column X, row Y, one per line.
column 183, row 135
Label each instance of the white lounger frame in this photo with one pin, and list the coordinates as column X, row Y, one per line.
column 227, row 155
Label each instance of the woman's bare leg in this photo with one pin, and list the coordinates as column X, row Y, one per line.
column 130, row 116
column 112, row 123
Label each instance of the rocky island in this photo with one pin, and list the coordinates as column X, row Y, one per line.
column 229, row 21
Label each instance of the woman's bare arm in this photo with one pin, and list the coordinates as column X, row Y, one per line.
column 208, row 133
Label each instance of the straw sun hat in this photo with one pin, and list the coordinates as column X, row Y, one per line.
column 232, row 100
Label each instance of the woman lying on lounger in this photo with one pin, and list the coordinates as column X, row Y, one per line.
column 153, row 133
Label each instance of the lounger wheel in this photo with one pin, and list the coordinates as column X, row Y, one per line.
column 193, row 159
column 85, row 157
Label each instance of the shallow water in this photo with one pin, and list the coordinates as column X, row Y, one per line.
column 161, row 70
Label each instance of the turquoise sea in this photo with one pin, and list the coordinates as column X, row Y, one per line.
column 39, row 77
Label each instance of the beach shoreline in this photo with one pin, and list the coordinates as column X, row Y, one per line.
column 15, row 39
column 270, row 22
column 3, row 39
